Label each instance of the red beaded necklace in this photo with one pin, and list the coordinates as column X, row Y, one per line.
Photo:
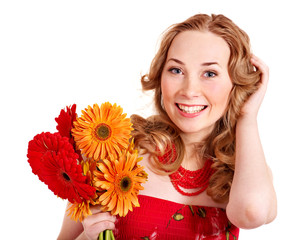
column 198, row 179
column 186, row 179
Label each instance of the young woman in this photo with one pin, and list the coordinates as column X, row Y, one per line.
column 207, row 174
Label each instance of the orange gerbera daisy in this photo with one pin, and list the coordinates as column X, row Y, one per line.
column 102, row 131
column 119, row 182
column 79, row 211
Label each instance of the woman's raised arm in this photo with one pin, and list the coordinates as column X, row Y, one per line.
column 252, row 199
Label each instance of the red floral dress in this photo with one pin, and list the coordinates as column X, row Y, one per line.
column 158, row 219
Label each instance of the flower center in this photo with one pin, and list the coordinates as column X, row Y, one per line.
column 65, row 176
column 125, row 184
column 103, row 131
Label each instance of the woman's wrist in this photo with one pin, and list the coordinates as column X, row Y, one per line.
column 247, row 120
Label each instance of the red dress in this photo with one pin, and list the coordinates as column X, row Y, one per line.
column 158, row 219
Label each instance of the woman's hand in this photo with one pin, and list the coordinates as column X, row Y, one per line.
column 98, row 222
column 252, row 105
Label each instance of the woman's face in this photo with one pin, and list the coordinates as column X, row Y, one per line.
column 195, row 82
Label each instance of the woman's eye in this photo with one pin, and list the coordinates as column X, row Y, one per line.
column 210, row 74
column 175, row 70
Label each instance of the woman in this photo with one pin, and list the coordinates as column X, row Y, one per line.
column 207, row 174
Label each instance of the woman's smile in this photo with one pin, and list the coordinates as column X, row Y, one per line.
column 190, row 111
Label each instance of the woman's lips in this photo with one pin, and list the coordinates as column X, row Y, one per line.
column 190, row 110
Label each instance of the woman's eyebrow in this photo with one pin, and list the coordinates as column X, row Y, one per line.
column 176, row 60
column 210, row 63
column 203, row 64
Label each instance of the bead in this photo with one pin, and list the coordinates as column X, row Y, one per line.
column 187, row 179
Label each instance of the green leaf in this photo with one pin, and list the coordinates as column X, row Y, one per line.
column 178, row 216
column 191, row 209
column 201, row 212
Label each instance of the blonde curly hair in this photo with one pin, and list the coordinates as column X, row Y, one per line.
column 156, row 133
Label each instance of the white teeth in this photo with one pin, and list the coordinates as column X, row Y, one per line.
column 193, row 109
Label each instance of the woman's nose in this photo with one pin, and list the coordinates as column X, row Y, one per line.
column 191, row 87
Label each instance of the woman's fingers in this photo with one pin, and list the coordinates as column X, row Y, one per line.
column 99, row 217
column 260, row 65
column 98, row 222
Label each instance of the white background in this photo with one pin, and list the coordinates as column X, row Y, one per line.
column 56, row 53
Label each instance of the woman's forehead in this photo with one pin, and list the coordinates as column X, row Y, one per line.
column 199, row 47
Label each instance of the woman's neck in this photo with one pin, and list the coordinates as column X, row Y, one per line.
column 192, row 159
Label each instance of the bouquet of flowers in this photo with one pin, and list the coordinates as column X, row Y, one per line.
column 90, row 160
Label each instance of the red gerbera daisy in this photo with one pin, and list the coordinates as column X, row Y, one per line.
column 43, row 143
column 64, row 177
column 65, row 122
column 54, row 160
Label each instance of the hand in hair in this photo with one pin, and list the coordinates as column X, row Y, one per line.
column 252, row 105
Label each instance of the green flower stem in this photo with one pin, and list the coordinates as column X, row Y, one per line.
column 106, row 235
column 112, row 235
